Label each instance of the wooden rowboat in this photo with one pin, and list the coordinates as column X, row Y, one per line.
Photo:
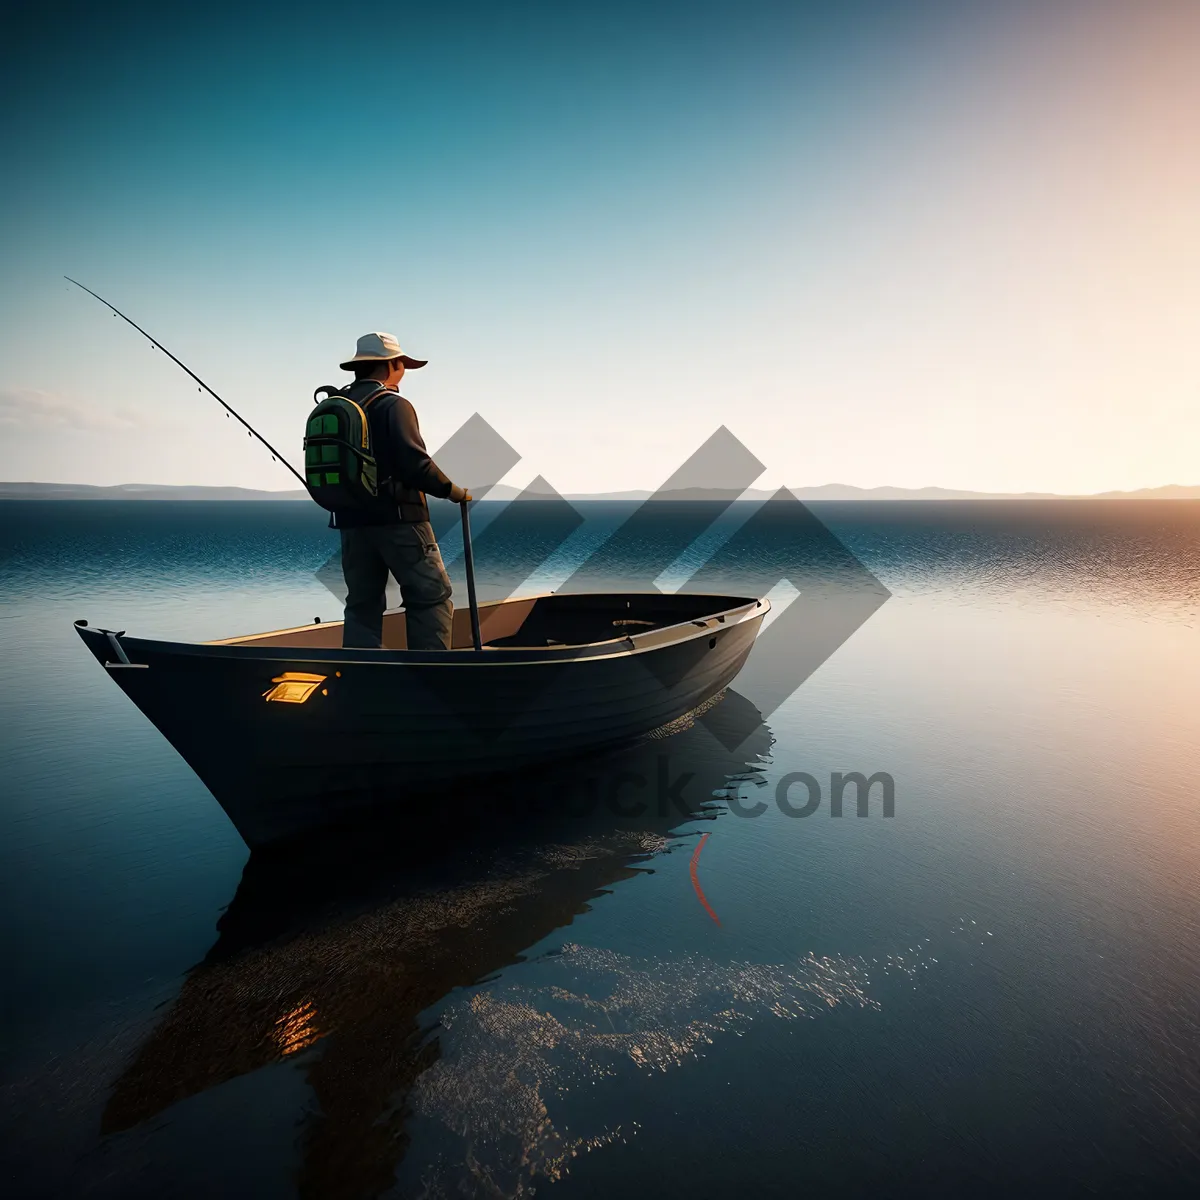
column 291, row 732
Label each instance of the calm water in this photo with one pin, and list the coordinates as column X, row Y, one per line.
column 994, row 990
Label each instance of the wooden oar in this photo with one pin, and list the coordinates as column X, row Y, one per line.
column 469, row 558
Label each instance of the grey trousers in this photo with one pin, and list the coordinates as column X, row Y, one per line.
column 411, row 554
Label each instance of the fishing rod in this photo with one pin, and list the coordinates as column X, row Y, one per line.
column 237, row 416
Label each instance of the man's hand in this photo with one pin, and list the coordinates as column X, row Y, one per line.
column 460, row 495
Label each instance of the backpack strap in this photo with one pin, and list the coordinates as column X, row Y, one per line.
column 369, row 400
column 332, row 390
column 385, row 483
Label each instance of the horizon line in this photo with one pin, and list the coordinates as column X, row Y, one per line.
column 28, row 490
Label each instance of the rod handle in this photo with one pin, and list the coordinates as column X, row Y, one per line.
column 469, row 561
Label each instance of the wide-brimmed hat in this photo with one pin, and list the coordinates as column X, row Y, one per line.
column 380, row 347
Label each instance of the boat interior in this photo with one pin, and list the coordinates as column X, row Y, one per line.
column 533, row 621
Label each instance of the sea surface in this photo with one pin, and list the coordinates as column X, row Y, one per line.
column 992, row 991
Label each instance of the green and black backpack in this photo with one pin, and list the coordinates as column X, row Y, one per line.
column 339, row 464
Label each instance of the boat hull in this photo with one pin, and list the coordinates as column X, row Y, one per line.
column 393, row 727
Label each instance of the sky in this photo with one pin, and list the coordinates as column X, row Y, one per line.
column 884, row 242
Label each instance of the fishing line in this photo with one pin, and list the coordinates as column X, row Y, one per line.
column 229, row 410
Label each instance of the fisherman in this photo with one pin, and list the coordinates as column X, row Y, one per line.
column 396, row 535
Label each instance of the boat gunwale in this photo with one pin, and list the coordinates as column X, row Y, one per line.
column 243, row 639
column 631, row 644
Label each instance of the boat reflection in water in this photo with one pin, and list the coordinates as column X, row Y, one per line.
column 341, row 947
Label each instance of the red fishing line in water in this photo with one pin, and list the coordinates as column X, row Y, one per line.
column 696, row 878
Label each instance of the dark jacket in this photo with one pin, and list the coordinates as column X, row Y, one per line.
column 402, row 459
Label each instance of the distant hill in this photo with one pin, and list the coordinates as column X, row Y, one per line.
column 828, row 491
column 136, row 491
column 1173, row 491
